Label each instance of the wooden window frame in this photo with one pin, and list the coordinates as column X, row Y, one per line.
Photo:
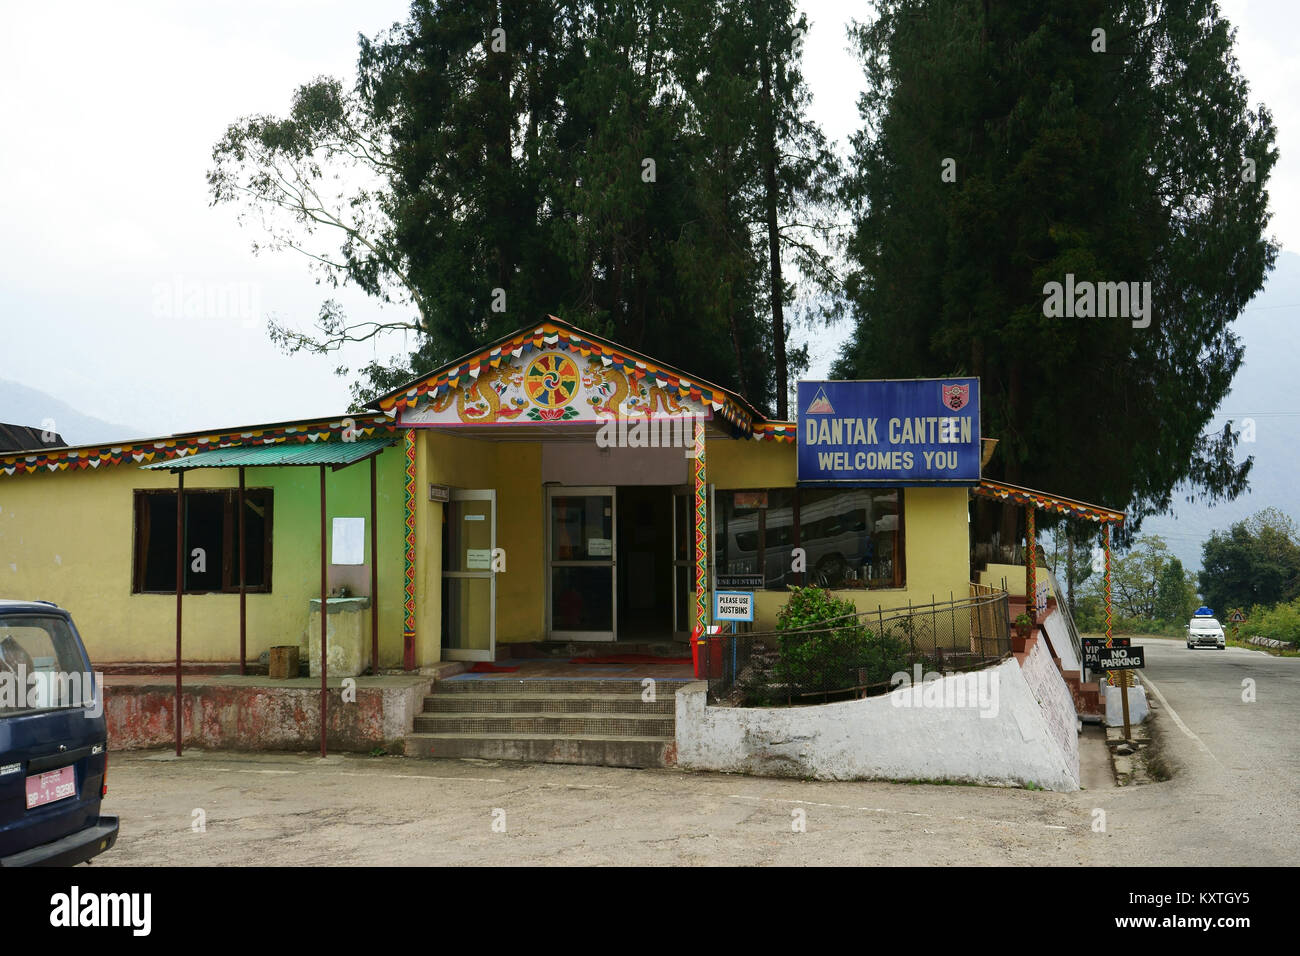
column 229, row 532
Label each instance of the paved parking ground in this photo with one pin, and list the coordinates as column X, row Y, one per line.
column 1231, row 802
column 267, row 809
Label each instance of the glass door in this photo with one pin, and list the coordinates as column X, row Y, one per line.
column 469, row 585
column 581, row 602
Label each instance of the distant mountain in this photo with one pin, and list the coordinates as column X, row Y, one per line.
column 1261, row 393
column 20, row 405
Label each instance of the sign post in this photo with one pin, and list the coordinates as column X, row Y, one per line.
column 1237, row 618
column 1123, row 660
column 730, row 607
column 1123, row 683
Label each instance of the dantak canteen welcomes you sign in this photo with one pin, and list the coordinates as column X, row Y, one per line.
column 892, row 431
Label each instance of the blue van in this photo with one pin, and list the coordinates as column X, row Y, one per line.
column 53, row 741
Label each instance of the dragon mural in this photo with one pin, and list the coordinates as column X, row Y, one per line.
column 613, row 397
column 482, row 400
column 608, row 388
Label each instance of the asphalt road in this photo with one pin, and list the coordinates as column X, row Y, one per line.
column 1235, row 796
column 1233, row 801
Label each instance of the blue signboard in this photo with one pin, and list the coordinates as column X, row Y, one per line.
column 894, row 431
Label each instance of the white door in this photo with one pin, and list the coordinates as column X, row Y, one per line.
column 581, row 572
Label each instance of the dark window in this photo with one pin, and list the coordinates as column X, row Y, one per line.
column 211, row 527
column 852, row 538
column 753, row 533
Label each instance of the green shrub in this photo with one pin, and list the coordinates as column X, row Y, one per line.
column 1280, row 622
column 1089, row 615
column 834, row 651
column 1144, row 625
column 814, row 606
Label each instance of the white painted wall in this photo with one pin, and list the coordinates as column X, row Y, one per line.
column 1060, row 635
column 1023, row 740
column 1055, row 702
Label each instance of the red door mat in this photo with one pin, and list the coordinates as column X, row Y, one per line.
column 630, row 659
column 487, row 667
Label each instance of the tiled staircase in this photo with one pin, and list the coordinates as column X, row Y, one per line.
column 599, row 721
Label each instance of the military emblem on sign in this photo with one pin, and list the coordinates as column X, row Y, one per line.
column 955, row 396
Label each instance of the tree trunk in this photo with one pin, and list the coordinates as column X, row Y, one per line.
column 773, row 236
column 735, row 342
column 1069, row 570
column 1010, row 446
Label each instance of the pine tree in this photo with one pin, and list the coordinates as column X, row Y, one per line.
column 1001, row 150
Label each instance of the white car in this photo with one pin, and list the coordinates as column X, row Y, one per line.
column 1205, row 632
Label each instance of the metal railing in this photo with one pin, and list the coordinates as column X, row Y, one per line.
column 1063, row 605
column 858, row 654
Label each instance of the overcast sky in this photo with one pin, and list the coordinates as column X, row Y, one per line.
column 108, row 114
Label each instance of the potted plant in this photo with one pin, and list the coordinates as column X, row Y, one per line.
column 1024, row 625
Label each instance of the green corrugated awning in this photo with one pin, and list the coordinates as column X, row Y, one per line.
column 336, row 453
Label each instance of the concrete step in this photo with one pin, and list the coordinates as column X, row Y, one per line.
column 604, row 751
column 1087, row 698
column 557, row 685
column 668, row 650
column 551, row 725
column 549, row 704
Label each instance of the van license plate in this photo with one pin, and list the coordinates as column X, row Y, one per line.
column 43, row 788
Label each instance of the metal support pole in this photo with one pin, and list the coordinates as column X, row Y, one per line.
column 1124, row 681
column 374, row 571
column 324, row 614
column 1031, row 565
column 180, row 585
column 1105, row 544
column 1123, row 675
column 243, row 578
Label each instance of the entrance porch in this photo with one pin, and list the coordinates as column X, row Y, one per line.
column 546, row 537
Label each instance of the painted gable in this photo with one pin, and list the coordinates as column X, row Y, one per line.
column 552, row 385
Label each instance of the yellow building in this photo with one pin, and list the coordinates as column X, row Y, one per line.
column 546, row 488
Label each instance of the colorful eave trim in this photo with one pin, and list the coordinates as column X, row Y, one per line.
column 775, row 431
column 549, row 335
column 1045, row 502
column 162, row 449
